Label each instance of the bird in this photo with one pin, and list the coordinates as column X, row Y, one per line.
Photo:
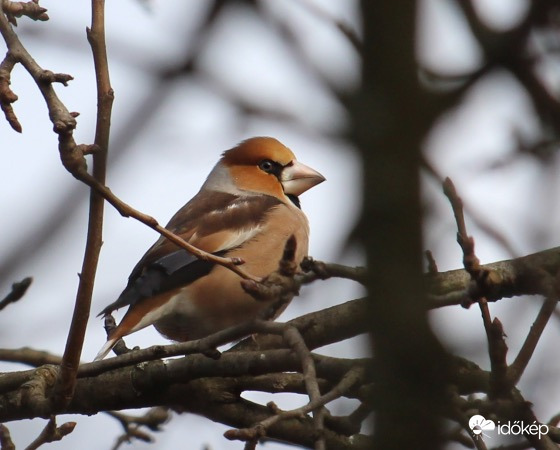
column 247, row 208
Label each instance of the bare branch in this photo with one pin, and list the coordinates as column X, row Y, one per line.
column 30, row 9
column 527, row 275
column 51, row 433
column 75, row 340
column 432, row 265
column 6, row 442
column 7, row 96
column 497, row 347
column 349, row 380
column 518, row 366
column 18, row 291
column 63, row 121
column 153, row 420
column 344, row 28
column 321, row 270
column 29, row 356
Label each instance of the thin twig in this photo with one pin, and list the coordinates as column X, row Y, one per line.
column 153, row 419
column 479, row 444
column 29, row 356
column 64, row 121
column 518, row 366
column 18, row 291
column 75, row 341
column 292, row 338
column 497, row 347
column 30, row 9
column 344, row 28
column 479, row 221
column 6, row 442
column 7, row 96
column 51, row 433
column 432, row 265
column 349, row 380
column 320, row 270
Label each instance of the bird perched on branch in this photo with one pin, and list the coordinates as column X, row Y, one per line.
column 247, row 208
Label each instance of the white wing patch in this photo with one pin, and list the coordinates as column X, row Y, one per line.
column 237, row 204
column 235, row 239
column 239, row 238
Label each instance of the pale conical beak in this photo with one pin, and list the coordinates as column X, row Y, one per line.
column 297, row 178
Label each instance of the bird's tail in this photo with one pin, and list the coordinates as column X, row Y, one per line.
column 106, row 348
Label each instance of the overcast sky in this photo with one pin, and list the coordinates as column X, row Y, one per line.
column 158, row 163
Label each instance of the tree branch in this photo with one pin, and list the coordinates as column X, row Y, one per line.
column 153, row 420
column 82, row 306
column 518, row 366
column 7, row 96
column 18, row 291
column 497, row 348
column 30, row 9
column 51, row 433
column 6, row 442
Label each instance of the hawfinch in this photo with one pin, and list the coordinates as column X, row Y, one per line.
column 247, row 208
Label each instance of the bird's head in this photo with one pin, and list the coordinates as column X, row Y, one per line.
column 266, row 166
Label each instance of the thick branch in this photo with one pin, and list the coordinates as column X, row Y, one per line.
column 146, row 385
column 509, row 278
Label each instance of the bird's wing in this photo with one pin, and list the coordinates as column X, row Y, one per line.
column 212, row 221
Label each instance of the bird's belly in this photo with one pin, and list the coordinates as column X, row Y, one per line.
column 226, row 304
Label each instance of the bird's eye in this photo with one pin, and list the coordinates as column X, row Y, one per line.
column 266, row 165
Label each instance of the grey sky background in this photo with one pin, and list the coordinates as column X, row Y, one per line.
column 161, row 165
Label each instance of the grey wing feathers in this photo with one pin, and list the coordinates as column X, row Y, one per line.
column 173, row 270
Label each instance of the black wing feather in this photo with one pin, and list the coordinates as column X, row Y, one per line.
column 171, row 271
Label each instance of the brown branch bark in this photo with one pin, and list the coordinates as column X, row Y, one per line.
column 508, row 278
column 318, row 329
column 30, row 9
column 518, row 366
column 6, row 442
column 51, row 433
column 212, row 387
column 348, row 381
column 18, row 291
column 7, row 96
column 28, row 356
column 75, row 340
column 137, row 388
column 497, row 348
column 153, row 420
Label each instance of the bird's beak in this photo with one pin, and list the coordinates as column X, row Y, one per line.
column 297, row 178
